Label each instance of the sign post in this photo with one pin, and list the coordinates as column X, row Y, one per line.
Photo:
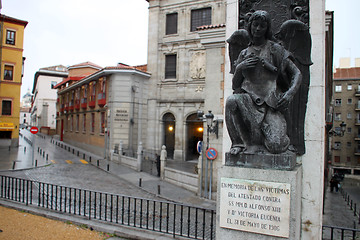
column 211, row 154
column 34, row 131
column 199, row 149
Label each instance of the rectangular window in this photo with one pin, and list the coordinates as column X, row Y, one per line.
column 171, row 23
column 337, row 159
column 349, row 101
column 6, row 107
column 349, row 87
column 170, row 66
column 337, row 102
column 337, row 145
column 53, row 84
column 348, row 144
column 200, row 17
column 338, row 88
column 10, row 37
column 337, row 130
column 8, row 72
column 71, row 122
column 349, row 130
column 348, row 159
column 337, row 116
column 92, row 122
column 102, row 127
column 77, row 122
column 349, row 116
column 84, row 122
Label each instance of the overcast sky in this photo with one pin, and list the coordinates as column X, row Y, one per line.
column 69, row 32
column 106, row 32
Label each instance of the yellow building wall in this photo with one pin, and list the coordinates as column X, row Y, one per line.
column 11, row 90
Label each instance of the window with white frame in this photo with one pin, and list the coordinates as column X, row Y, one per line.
column 337, row 116
column 338, row 88
column 10, row 37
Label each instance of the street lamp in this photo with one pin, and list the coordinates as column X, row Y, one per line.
column 343, row 128
column 209, row 121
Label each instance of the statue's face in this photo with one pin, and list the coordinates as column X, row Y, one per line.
column 259, row 28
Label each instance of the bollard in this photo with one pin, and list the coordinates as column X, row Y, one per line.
column 24, row 149
column 78, row 153
column 14, row 165
column 140, row 180
column 35, row 163
column 89, row 158
column 43, row 153
column 97, row 162
column 47, row 157
column 40, row 151
column 355, row 209
column 9, row 148
column 158, row 189
column 108, row 167
column 84, row 156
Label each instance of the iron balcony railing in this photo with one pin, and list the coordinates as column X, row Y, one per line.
column 160, row 216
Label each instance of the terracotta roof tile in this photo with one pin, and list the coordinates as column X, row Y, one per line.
column 347, row 73
column 204, row 27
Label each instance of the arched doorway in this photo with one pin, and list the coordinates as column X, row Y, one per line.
column 169, row 134
column 194, row 134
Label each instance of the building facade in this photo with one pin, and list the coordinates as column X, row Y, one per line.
column 12, row 62
column 43, row 107
column 345, row 145
column 97, row 110
column 186, row 56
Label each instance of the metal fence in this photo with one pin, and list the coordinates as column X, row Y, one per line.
column 160, row 216
column 340, row 233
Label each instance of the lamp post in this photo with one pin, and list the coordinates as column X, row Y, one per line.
column 209, row 121
column 343, row 128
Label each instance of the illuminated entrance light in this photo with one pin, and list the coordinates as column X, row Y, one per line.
column 171, row 128
column 200, row 129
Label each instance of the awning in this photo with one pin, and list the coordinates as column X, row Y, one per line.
column 6, row 126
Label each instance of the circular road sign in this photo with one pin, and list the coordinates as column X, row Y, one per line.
column 199, row 146
column 34, row 130
column 211, row 153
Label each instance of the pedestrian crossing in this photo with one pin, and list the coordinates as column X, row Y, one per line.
column 70, row 161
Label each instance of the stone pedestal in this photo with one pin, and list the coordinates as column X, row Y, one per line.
column 258, row 203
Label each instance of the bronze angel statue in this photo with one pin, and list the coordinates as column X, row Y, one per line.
column 270, row 85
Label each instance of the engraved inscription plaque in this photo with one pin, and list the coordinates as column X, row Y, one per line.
column 255, row 206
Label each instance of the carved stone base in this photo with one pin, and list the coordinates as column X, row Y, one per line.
column 283, row 161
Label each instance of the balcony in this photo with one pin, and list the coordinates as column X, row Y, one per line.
column 357, row 93
column 92, row 101
column 357, row 152
column 101, row 99
column 71, row 105
column 357, row 122
column 77, row 104
column 83, row 103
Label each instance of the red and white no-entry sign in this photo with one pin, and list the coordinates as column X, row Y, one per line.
column 34, row 130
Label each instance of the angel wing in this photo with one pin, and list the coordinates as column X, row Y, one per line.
column 295, row 37
column 238, row 41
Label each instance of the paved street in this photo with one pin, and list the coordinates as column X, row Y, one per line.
column 71, row 167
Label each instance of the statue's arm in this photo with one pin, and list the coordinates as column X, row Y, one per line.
column 237, row 78
column 295, row 83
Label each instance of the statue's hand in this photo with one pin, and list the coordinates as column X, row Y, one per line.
column 248, row 63
column 284, row 101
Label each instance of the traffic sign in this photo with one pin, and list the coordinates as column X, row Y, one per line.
column 34, row 130
column 211, row 153
column 199, row 146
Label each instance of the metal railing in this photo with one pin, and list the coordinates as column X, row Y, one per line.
column 160, row 216
column 337, row 233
